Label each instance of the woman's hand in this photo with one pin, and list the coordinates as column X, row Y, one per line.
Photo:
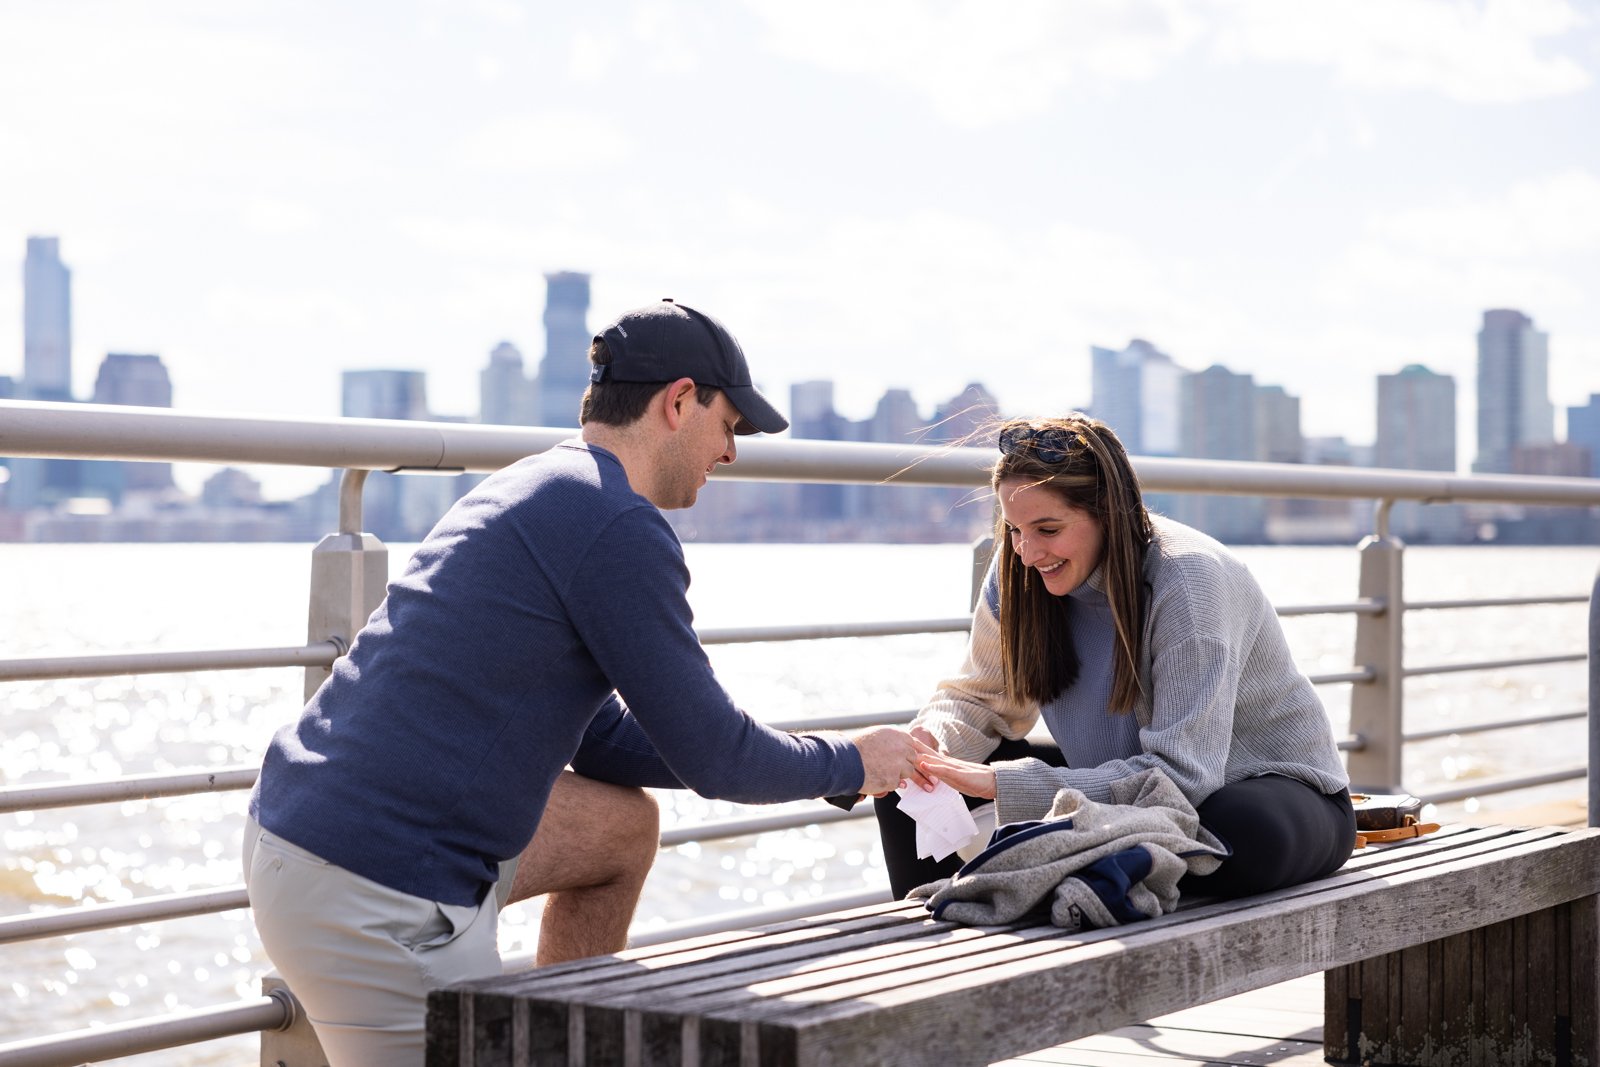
column 973, row 779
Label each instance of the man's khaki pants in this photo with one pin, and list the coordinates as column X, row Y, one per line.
column 361, row 957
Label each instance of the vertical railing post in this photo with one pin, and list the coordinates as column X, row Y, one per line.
column 349, row 574
column 1377, row 708
column 294, row 1044
column 1594, row 702
column 982, row 553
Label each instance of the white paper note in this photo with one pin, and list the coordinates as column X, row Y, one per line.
column 943, row 822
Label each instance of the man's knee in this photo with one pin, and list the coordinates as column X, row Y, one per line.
column 638, row 825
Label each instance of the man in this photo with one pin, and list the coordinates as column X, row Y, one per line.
column 487, row 736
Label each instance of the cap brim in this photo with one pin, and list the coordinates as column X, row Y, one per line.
column 755, row 414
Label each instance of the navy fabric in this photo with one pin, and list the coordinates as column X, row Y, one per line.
column 542, row 622
column 1113, row 877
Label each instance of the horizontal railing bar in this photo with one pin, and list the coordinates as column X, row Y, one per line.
column 61, row 921
column 1503, row 724
column 1493, row 664
column 1360, row 674
column 847, row 721
column 732, row 635
column 321, row 654
column 760, row 824
column 111, row 431
column 1495, row 602
column 1350, row 743
column 148, row 1035
column 1369, row 606
column 130, row 787
column 1490, row 786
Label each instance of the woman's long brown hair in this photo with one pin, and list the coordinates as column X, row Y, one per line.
column 1094, row 475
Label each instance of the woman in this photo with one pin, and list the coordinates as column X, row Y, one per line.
column 1142, row 643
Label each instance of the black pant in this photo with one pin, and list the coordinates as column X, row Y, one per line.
column 1282, row 832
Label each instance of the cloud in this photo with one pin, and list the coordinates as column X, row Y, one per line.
column 1488, row 53
column 544, row 142
column 1534, row 246
column 277, row 216
column 981, row 63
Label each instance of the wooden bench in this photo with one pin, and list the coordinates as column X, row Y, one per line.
column 1470, row 946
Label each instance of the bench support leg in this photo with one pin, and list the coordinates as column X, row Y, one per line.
column 1521, row 992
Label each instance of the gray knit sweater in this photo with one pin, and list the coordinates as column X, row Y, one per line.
column 1222, row 698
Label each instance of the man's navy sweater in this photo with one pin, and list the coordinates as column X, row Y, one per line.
column 542, row 623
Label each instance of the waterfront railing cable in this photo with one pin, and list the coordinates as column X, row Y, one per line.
column 45, row 430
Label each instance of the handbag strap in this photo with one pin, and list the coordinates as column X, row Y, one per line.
column 1412, row 828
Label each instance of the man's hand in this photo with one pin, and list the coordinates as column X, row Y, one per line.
column 890, row 754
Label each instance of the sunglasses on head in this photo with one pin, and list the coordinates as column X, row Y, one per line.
column 1052, row 445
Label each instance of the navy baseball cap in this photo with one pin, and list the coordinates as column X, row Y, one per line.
column 668, row 341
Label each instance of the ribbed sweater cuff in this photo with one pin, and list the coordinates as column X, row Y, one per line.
column 1024, row 790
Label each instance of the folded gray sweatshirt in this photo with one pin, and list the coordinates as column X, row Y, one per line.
column 1092, row 865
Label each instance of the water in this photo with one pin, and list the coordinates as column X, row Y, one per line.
column 66, row 599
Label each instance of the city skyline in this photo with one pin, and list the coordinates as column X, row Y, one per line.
column 891, row 196
column 1158, row 406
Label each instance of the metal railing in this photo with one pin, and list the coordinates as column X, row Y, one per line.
column 349, row 572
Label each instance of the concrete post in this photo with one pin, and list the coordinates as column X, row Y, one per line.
column 349, row 575
column 1377, row 708
column 296, row 1044
column 1594, row 702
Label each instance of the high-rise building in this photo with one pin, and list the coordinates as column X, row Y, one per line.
column 385, row 394
column 1416, row 420
column 1417, row 431
column 1278, row 438
column 564, row 372
column 141, row 381
column 812, row 417
column 395, row 507
column 1217, row 420
column 1136, row 391
column 1583, row 430
column 506, row 396
column 967, row 418
column 46, row 322
column 1513, row 389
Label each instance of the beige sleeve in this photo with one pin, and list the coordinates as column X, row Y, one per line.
column 971, row 712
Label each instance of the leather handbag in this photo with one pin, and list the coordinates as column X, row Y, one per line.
column 1385, row 817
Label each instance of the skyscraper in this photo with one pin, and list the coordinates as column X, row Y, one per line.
column 385, row 394
column 46, row 322
column 812, row 417
column 141, row 381
column 1416, row 420
column 1583, row 430
column 1218, row 421
column 1278, row 438
column 564, row 373
column 1417, row 431
column 506, row 396
column 395, row 507
column 1513, row 392
column 1136, row 392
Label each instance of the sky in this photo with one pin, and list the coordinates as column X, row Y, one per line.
column 887, row 193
